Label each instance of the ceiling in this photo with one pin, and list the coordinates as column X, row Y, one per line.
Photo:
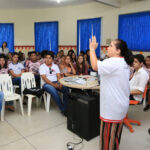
column 24, row 4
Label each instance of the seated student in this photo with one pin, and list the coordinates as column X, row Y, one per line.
column 57, row 60
column 73, row 58
column 22, row 58
column 33, row 66
column 1, row 100
column 3, row 65
column 139, row 79
column 67, row 69
column 16, row 69
column 9, row 57
column 147, row 68
column 50, row 74
column 80, row 67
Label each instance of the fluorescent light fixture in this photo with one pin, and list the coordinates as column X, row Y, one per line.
column 58, row 1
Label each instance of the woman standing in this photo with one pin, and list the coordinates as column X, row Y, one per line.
column 4, row 49
column 114, row 91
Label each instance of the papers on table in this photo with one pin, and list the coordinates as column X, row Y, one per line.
column 79, row 80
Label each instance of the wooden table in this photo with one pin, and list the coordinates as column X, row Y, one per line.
column 93, row 85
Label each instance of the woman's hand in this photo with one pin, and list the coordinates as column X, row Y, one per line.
column 93, row 43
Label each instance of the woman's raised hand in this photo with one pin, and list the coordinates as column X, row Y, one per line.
column 93, row 43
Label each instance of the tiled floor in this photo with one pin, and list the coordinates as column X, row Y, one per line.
column 47, row 131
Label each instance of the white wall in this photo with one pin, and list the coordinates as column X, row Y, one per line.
column 67, row 17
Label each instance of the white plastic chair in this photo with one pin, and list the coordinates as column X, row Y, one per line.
column 28, row 81
column 7, row 88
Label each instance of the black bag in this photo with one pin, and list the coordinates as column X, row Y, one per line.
column 34, row 91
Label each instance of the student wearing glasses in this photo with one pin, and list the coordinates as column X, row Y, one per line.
column 50, row 75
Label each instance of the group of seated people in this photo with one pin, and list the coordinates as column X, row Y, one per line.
column 45, row 66
column 50, row 68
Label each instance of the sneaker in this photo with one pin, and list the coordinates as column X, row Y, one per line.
column 147, row 107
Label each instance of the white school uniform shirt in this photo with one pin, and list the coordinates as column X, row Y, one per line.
column 16, row 68
column 114, row 89
column 45, row 70
column 138, row 82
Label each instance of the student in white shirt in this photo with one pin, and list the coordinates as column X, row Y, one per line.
column 16, row 69
column 114, row 90
column 50, row 75
column 139, row 79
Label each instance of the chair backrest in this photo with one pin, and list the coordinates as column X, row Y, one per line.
column 6, row 85
column 27, row 81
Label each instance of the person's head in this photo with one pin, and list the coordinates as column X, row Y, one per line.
column 82, row 53
column 118, row 48
column 15, row 57
column 4, row 45
column 63, row 58
column 147, row 61
column 21, row 56
column 9, row 55
column 70, row 52
column 73, row 57
column 43, row 53
column 29, row 54
column 138, row 61
column 61, row 53
column 88, row 52
column 67, row 60
column 38, row 54
column 49, row 57
column 3, row 62
column 33, row 56
column 85, row 56
column 80, row 59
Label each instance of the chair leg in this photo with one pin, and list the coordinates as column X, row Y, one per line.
column 3, row 110
column 44, row 96
column 21, row 106
column 29, row 105
column 48, row 102
column 127, row 123
column 37, row 102
column 15, row 104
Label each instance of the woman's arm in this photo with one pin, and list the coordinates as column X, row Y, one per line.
column 73, row 69
column 93, row 58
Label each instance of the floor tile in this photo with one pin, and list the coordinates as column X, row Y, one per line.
column 18, row 145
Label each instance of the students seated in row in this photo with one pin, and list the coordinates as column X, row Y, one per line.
column 67, row 68
column 50, row 74
column 33, row 66
column 139, row 79
column 81, row 67
column 16, row 69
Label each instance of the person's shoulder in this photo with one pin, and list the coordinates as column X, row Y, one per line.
column 43, row 65
column 55, row 65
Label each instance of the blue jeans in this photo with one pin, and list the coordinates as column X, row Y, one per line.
column 54, row 93
column 17, row 81
column 1, row 99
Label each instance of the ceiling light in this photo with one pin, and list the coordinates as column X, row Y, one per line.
column 58, row 1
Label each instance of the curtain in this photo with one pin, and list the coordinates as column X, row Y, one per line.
column 7, row 35
column 85, row 30
column 135, row 30
column 46, row 36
